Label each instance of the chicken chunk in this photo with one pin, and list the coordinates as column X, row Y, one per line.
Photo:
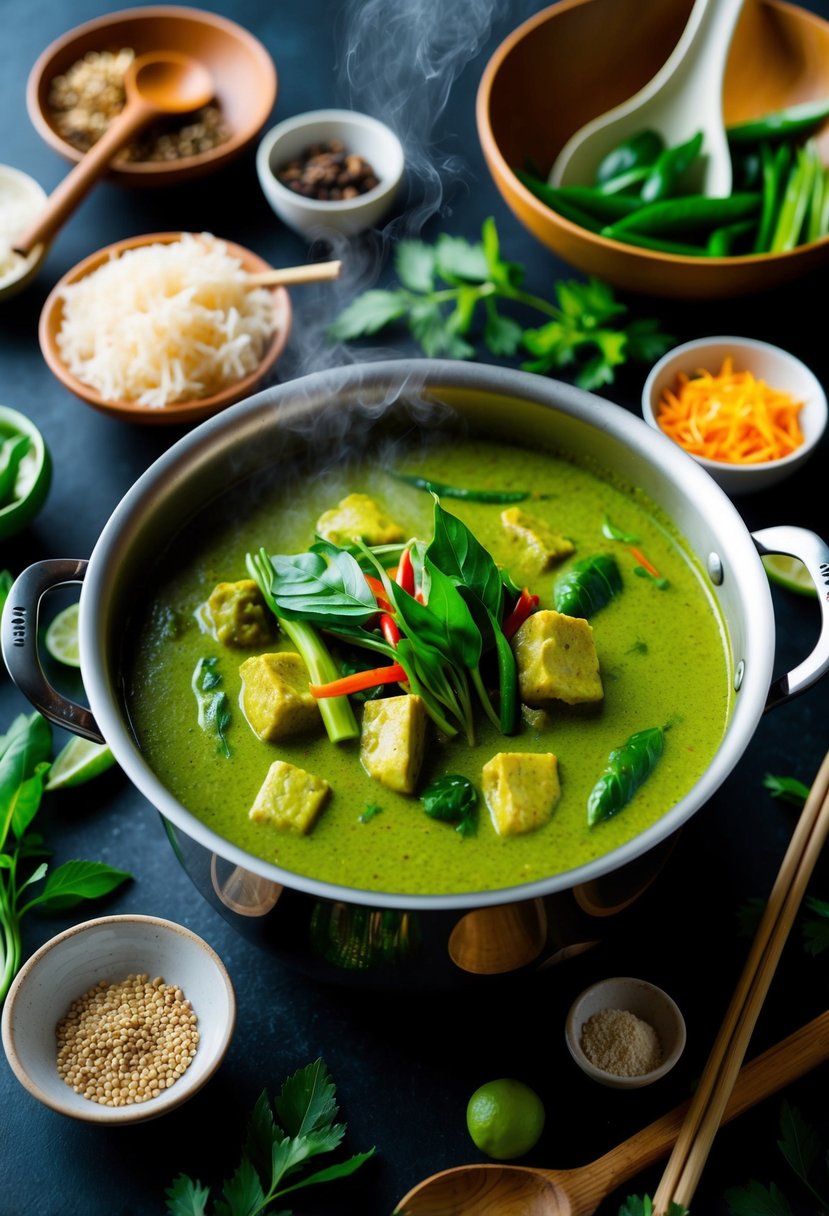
column 239, row 615
column 557, row 659
column 521, row 790
column 358, row 517
column 546, row 546
column 275, row 696
column 290, row 799
column 393, row 741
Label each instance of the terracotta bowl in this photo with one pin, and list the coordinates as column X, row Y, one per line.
column 242, row 69
column 182, row 412
column 577, row 59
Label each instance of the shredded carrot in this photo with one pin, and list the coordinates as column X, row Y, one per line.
column 359, row 681
column 643, row 561
column 731, row 417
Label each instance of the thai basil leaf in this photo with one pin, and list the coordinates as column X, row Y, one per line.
column 75, row 881
column 452, row 799
column 587, row 586
column 27, row 744
column 320, row 585
column 610, row 530
column 627, row 767
column 444, row 621
column 214, row 707
column 462, row 557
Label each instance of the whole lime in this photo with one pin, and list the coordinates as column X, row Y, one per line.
column 505, row 1118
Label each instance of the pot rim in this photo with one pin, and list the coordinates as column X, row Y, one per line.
column 245, row 418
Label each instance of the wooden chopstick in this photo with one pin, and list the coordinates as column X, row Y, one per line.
column 693, row 1144
column 313, row 272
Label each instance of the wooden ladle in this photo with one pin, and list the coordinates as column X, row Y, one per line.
column 160, row 82
column 515, row 1190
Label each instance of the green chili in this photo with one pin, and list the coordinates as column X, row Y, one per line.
column 600, row 205
column 722, row 240
column 642, row 241
column 781, row 124
column 627, row 767
column 641, row 148
column 446, row 491
column 630, row 180
column 689, row 213
column 667, row 171
column 776, row 163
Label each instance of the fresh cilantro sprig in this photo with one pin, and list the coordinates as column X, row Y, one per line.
column 282, row 1137
column 448, row 288
column 25, row 752
column 642, row 1205
column 800, row 1145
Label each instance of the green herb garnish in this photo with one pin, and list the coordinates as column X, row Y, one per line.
column 787, row 789
column 642, row 1205
column 25, row 752
column 452, row 799
column 214, row 708
column 800, row 1145
column 613, row 533
column 627, row 767
column 443, row 287
column 282, row 1136
column 370, row 812
column 587, row 586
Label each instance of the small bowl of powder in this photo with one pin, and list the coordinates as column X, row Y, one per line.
column 624, row 1032
column 119, row 1019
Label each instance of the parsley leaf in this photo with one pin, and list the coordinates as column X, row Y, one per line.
column 585, row 329
column 281, row 1137
column 754, row 1199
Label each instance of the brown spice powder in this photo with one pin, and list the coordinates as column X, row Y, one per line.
column 619, row 1042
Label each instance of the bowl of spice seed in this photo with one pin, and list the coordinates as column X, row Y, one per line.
column 624, row 1032
column 76, row 88
column 330, row 171
column 119, row 1019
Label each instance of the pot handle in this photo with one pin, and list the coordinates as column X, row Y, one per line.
column 18, row 636
column 814, row 553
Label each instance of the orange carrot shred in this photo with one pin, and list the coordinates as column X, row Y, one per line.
column 731, row 416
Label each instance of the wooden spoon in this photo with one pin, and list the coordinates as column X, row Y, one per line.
column 515, row 1190
column 160, row 82
column 685, row 96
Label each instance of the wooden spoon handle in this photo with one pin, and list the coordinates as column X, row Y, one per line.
column 777, row 1067
column 65, row 197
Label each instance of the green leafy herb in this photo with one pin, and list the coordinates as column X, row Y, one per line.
column 610, row 530
column 587, row 586
column 801, row 1147
column 370, row 812
column 445, row 286
column 636, row 1205
column 754, row 1199
column 453, row 799
column 282, row 1137
column 816, row 927
column 25, row 752
column 749, row 915
column 787, row 789
column 627, row 767
column 656, row 579
column 214, row 707
column 638, row 647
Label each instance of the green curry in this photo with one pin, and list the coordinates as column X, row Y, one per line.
column 661, row 647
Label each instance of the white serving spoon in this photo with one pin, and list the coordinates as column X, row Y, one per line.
column 685, row 96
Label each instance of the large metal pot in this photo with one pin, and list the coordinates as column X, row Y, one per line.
column 367, row 937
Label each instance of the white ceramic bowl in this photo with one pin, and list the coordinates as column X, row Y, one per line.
column 778, row 368
column 361, row 134
column 27, row 197
column 111, row 948
column 645, row 1001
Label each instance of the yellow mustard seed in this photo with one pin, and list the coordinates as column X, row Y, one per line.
column 124, row 1042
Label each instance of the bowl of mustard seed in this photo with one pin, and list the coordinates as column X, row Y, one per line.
column 119, row 1019
column 76, row 88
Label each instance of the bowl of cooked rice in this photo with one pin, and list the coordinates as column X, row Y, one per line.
column 164, row 328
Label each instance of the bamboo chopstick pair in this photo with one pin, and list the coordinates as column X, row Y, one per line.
column 690, row 1152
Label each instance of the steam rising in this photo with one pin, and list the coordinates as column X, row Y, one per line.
column 400, row 61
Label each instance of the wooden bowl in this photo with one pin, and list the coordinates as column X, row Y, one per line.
column 242, row 69
column 577, row 59
column 182, row 412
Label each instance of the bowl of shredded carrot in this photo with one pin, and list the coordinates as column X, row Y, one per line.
column 750, row 413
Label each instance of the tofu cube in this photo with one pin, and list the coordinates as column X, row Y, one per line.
column 393, row 741
column 521, row 790
column 275, row 696
column 358, row 517
column 290, row 799
column 557, row 660
column 544, row 545
column 239, row 615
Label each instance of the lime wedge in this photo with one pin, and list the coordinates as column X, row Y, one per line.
column 61, row 638
column 79, row 761
column 789, row 572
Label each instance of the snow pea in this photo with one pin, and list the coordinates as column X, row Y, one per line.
column 781, row 124
column 641, row 148
column 685, row 214
column 627, row 767
column 587, row 586
column 667, row 170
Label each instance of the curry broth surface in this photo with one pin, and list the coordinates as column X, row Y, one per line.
column 663, row 656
